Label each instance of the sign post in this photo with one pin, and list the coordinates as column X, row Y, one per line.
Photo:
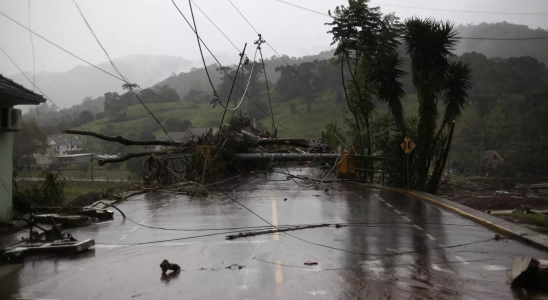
column 408, row 145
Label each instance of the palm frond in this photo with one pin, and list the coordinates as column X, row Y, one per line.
column 458, row 82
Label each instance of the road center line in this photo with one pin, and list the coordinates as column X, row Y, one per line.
column 418, row 227
column 142, row 222
column 381, row 199
column 406, row 218
column 461, row 260
column 430, row 237
column 397, row 211
column 276, row 235
column 124, row 237
column 279, row 275
column 377, row 195
column 388, row 204
column 134, row 228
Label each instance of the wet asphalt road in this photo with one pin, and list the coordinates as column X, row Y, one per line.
column 399, row 248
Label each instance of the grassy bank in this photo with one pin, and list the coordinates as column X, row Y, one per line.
column 74, row 189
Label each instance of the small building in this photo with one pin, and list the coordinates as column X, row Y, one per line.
column 65, row 145
column 11, row 94
column 185, row 136
column 492, row 159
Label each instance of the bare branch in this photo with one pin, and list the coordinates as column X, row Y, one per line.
column 122, row 140
column 101, row 162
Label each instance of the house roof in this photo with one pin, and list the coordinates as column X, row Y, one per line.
column 15, row 94
column 59, row 140
column 488, row 153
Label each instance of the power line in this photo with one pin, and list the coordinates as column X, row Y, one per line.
column 235, row 47
column 34, row 85
column 124, row 78
column 304, row 8
column 503, row 39
column 61, row 48
column 424, row 8
column 294, row 71
column 259, row 42
column 461, row 11
column 215, row 96
column 232, row 79
column 266, row 79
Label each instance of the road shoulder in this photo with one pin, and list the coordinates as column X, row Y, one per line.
column 524, row 234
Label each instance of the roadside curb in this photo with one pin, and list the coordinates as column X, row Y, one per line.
column 526, row 235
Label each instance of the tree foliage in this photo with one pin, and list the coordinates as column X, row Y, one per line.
column 28, row 141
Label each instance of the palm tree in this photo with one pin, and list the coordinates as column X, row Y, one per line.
column 436, row 77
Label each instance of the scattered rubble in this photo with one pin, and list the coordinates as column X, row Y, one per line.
column 235, row 266
column 52, row 240
column 528, row 272
column 167, row 266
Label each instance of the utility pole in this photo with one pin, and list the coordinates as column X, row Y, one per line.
column 539, row 155
column 91, row 160
column 480, row 154
column 465, row 156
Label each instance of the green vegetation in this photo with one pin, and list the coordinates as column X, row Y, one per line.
column 75, row 171
column 73, row 189
column 539, row 219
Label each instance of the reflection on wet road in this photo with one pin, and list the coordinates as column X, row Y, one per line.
column 392, row 246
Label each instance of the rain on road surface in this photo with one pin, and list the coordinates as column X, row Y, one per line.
column 403, row 248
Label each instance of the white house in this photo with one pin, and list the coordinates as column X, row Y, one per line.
column 59, row 147
column 11, row 94
column 65, row 145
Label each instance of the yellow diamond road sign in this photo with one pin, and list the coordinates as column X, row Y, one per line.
column 408, row 145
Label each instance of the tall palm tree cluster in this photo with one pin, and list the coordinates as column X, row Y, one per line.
column 368, row 51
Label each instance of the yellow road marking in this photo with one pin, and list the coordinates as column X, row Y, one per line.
column 279, row 275
column 276, row 235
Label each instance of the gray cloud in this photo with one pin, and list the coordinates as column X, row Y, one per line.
column 129, row 27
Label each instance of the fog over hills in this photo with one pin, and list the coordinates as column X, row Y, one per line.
column 70, row 87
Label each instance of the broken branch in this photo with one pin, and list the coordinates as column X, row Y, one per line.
column 121, row 140
column 101, row 162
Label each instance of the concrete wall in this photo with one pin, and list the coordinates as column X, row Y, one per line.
column 6, row 168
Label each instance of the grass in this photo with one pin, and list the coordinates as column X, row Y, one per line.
column 74, row 189
column 321, row 114
column 536, row 219
column 73, row 171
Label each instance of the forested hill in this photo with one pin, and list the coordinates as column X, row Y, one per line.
column 196, row 79
column 537, row 48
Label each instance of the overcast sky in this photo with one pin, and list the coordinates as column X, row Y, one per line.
column 154, row 27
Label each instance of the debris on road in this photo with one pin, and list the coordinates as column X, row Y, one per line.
column 275, row 230
column 52, row 240
column 235, row 266
column 166, row 266
column 310, row 263
column 528, row 272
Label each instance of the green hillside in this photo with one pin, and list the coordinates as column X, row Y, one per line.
column 137, row 118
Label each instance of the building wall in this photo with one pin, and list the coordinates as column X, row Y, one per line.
column 6, row 169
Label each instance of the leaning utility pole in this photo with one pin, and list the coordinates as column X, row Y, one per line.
column 91, row 160
column 481, row 154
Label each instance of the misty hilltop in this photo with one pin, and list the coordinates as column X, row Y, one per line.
column 70, row 87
